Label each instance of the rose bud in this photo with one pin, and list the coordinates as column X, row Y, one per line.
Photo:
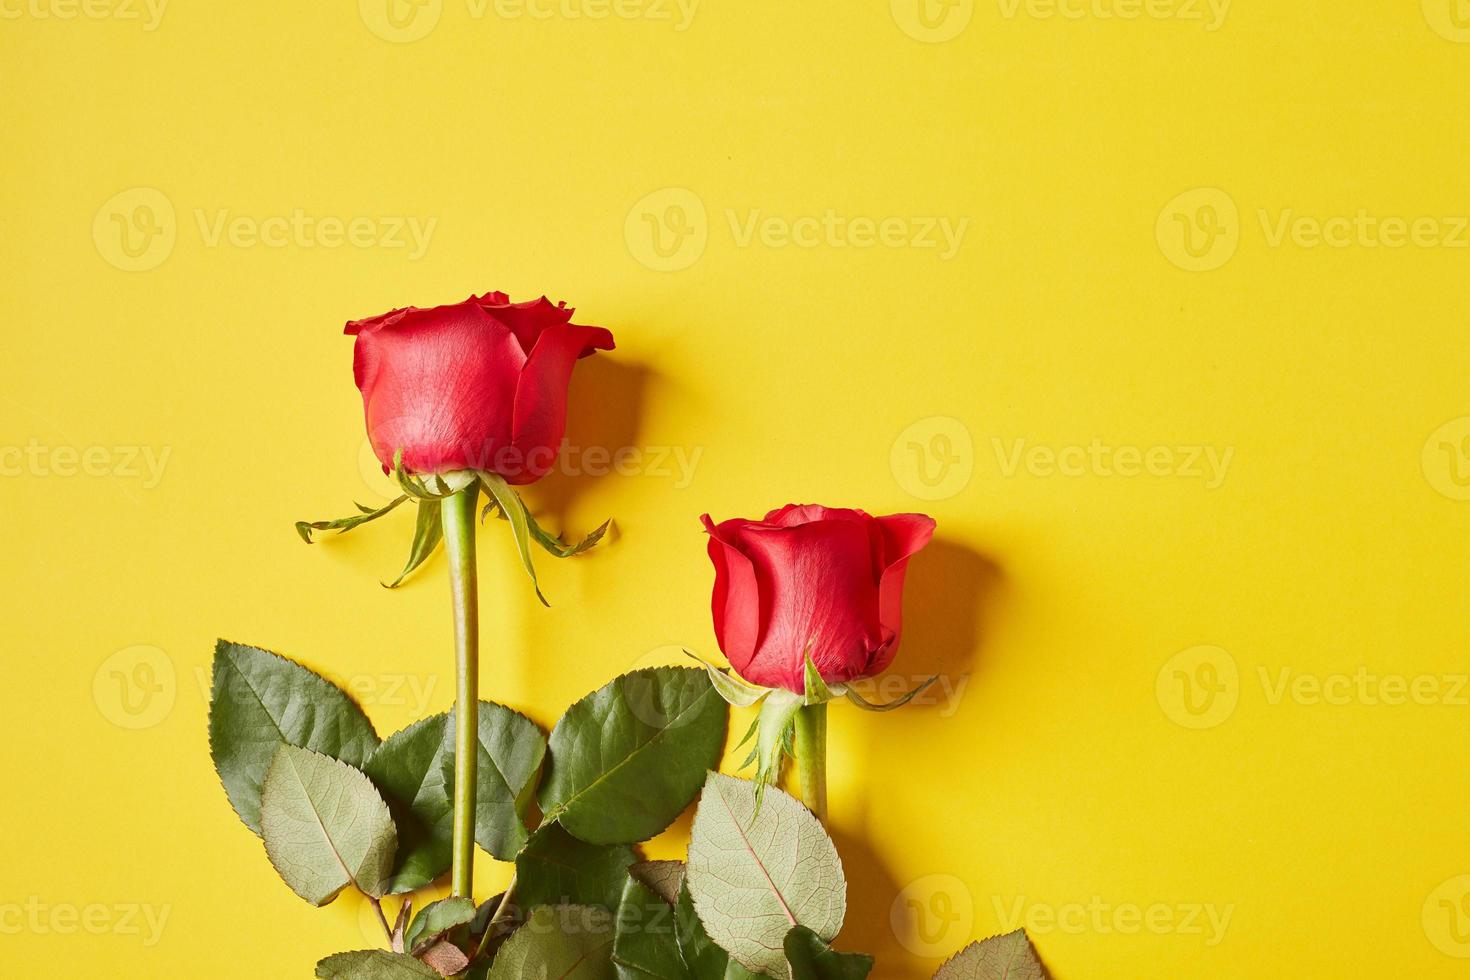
column 479, row 385
column 811, row 581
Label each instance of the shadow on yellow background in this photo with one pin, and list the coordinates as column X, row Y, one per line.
column 1157, row 307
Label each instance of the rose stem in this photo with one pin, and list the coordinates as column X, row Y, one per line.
column 811, row 757
column 458, row 513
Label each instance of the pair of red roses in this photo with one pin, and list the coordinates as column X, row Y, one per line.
column 482, row 385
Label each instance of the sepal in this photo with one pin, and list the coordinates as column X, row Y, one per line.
column 344, row 524
column 514, row 511
column 898, row 702
column 736, row 690
column 428, row 531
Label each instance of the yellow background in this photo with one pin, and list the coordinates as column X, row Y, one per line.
column 1069, row 776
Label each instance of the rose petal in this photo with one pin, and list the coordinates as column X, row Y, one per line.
column 541, row 396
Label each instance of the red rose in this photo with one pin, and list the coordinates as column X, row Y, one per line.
column 479, row 385
column 811, row 578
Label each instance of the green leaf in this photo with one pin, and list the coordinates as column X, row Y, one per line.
column 325, row 826
column 373, row 964
column 812, row 958
column 898, row 702
column 646, row 945
column 1007, row 957
column 663, row 878
column 409, row 769
column 555, row 868
column 629, row 757
column 428, row 531
column 735, row 690
column 554, row 545
column 703, row 959
column 753, row 875
column 261, row 701
column 435, row 919
column 568, row 942
column 514, row 510
column 342, row 524
column 512, row 749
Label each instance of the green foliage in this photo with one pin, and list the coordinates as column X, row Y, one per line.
column 628, row 758
column 756, row 870
column 555, row 868
column 428, row 531
column 409, row 769
column 646, row 946
column 343, row 524
column 567, row 942
column 374, row 964
column 812, row 958
column 325, row 826
column 512, row 749
column 702, row 958
column 1006, row 957
column 261, row 701
column 435, row 919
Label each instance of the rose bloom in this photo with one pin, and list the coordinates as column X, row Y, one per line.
column 477, row 385
column 807, row 578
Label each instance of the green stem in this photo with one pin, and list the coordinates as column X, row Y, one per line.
column 458, row 513
column 500, row 910
column 811, row 757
